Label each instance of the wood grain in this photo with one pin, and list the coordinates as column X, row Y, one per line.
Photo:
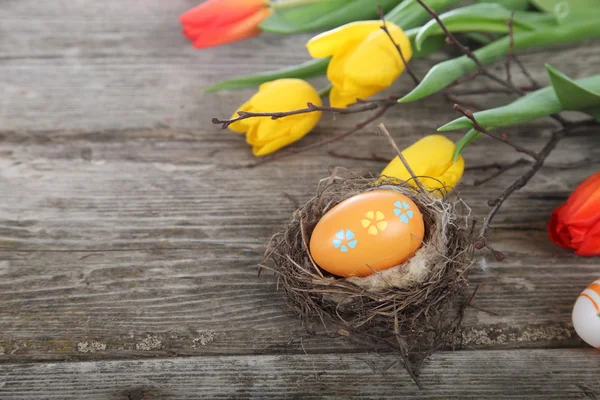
column 516, row 374
column 129, row 229
column 115, row 237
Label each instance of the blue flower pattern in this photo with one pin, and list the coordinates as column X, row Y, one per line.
column 403, row 211
column 344, row 240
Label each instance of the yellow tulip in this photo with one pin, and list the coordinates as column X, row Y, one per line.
column 431, row 160
column 364, row 60
column 267, row 135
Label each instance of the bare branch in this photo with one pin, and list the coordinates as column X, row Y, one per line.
column 381, row 128
column 500, row 171
column 352, row 109
column 384, row 28
column 281, row 154
column 503, row 138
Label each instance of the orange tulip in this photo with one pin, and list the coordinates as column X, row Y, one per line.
column 217, row 22
column 576, row 224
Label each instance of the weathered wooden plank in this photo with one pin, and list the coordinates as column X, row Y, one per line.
column 157, row 187
column 87, row 65
column 107, row 304
column 123, row 236
column 122, row 242
column 517, row 374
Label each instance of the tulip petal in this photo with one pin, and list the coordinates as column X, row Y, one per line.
column 267, row 135
column 583, row 206
column 242, row 29
column 430, row 158
column 285, row 95
column 339, row 98
column 377, row 49
column 340, row 39
column 218, row 12
column 554, row 230
column 591, row 243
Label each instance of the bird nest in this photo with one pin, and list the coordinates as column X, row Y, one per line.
column 415, row 307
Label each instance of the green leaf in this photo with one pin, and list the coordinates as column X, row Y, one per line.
column 515, row 5
column 431, row 46
column 323, row 15
column 570, row 10
column 410, row 14
column 574, row 5
column 571, row 95
column 463, row 142
column 305, row 70
column 445, row 73
column 542, row 102
column 485, row 17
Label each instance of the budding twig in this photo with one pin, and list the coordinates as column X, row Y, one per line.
column 503, row 138
column 466, row 51
column 500, row 171
column 384, row 28
column 296, row 150
column 352, row 109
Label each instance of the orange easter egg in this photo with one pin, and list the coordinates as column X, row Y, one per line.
column 368, row 232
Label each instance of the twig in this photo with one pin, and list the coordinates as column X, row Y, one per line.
column 309, row 108
column 533, row 82
column 500, row 171
column 519, row 183
column 466, row 51
column 464, row 79
column 523, row 180
column 511, row 46
column 412, row 74
column 560, row 166
column 488, row 90
column 453, row 100
column 483, row 167
column 371, row 157
column 503, row 138
column 323, row 142
column 381, row 128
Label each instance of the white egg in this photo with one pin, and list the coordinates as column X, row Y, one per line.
column 586, row 315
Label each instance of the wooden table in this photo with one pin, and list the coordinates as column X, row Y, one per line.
column 129, row 236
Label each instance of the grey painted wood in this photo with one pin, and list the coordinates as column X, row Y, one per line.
column 128, row 230
column 516, row 374
column 118, row 236
column 85, row 65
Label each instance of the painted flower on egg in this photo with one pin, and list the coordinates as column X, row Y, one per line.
column 374, row 222
column 343, row 240
column 366, row 233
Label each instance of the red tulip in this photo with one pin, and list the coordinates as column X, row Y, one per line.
column 217, row 22
column 576, row 224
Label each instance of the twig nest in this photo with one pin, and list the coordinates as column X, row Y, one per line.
column 406, row 306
